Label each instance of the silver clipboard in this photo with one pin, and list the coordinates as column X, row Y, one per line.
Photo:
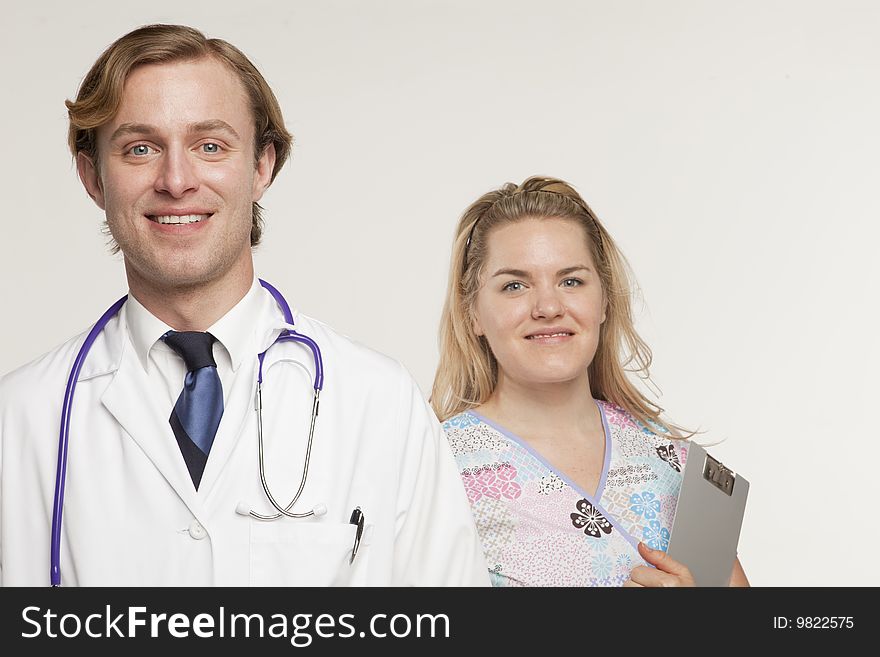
column 708, row 518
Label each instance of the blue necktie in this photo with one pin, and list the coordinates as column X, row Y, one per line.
column 196, row 415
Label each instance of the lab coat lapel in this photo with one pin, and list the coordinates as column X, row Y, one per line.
column 141, row 418
column 236, row 420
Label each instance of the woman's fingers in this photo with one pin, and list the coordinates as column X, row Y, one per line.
column 652, row 578
column 666, row 572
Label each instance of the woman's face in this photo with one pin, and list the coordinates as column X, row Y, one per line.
column 540, row 302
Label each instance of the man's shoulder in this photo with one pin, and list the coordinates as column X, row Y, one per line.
column 347, row 349
column 36, row 379
column 60, row 356
column 44, row 374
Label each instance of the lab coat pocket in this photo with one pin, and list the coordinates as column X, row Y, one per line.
column 302, row 554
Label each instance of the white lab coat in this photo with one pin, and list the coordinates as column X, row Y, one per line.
column 133, row 518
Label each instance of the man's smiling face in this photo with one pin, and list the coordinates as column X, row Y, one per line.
column 176, row 174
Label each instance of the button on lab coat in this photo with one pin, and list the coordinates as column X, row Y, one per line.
column 133, row 518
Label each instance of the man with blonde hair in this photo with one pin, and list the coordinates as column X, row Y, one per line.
column 189, row 449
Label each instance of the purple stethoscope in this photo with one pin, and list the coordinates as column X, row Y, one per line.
column 242, row 509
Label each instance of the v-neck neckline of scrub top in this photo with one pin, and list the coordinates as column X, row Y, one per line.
column 596, row 498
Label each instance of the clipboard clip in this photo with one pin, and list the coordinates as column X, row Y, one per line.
column 718, row 475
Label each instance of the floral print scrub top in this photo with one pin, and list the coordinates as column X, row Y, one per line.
column 539, row 529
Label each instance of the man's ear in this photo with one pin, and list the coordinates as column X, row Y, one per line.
column 91, row 179
column 263, row 173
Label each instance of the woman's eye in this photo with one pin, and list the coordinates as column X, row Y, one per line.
column 571, row 282
column 211, row 148
column 513, row 286
column 140, row 149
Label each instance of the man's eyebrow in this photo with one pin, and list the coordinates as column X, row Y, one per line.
column 132, row 129
column 524, row 274
column 212, row 125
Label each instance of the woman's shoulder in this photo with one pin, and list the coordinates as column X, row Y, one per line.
column 625, row 424
column 468, row 432
column 619, row 417
column 460, row 422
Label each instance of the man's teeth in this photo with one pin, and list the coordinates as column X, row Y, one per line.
column 547, row 335
column 179, row 219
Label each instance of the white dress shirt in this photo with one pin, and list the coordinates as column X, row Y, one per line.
column 238, row 333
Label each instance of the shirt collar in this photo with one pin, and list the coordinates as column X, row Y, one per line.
column 235, row 331
column 144, row 329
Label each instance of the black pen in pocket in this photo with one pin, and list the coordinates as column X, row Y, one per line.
column 357, row 518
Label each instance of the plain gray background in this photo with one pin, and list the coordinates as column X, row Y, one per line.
column 730, row 148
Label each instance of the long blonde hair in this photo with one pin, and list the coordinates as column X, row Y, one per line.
column 468, row 371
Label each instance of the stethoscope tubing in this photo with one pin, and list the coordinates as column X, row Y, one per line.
column 284, row 511
column 64, row 434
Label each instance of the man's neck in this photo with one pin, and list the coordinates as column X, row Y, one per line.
column 196, row 307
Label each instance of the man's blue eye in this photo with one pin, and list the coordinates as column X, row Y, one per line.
column 513, row 287
column 140, row 149
column 211, row 148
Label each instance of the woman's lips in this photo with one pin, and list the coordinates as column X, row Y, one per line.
column 554, row 336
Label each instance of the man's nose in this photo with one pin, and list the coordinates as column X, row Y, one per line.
column 177, row 173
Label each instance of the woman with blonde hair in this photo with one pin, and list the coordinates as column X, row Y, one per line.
column 572, row 473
